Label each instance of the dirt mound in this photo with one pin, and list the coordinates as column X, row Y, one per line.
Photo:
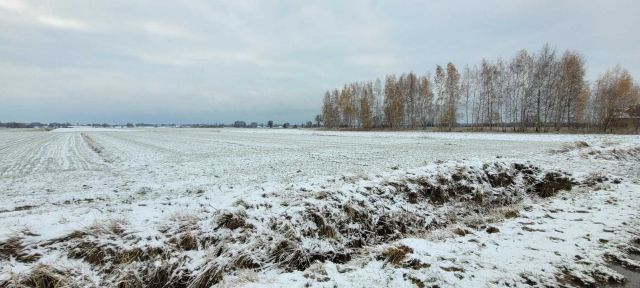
column 552, row 183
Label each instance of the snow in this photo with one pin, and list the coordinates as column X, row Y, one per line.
column 53, row 184
column 90, row 129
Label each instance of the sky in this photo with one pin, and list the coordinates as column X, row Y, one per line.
column 204, row 61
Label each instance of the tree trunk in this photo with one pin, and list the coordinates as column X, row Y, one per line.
column 538, row 113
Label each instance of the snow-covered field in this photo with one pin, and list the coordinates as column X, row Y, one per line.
column 290, row 208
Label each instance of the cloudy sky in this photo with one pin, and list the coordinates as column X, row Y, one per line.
column 212, row 61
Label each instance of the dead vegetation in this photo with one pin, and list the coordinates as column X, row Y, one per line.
column 13, row 248
column 611, row 151
column 395, row 255
column 492, row 229
column 292, row 230
column 232, row 220
column 40, row 276
column 511, row 213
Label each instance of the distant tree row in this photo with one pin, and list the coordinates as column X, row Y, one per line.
column 34, row 125
column 236, row 124
column 533, row 91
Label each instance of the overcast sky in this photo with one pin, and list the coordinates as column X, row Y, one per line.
column 213, row 61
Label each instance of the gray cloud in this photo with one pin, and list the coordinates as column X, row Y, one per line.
column 215, row 61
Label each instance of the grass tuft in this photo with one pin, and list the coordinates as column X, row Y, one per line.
column 395, row 255
column 232, row 220
column 13, row 248
column 44, row 276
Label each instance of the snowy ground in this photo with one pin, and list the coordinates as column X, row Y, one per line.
column 148, row 181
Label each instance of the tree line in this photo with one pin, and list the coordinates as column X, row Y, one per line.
column 540, row 91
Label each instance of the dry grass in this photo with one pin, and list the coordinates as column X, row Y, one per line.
column 492, row 229
column 208, row 277
column 395, row 255
column 232, row 220
column 161, row 274
column 13, row 248
column 316, row 226
column 289, row 255
column 511, row 213
column 461, row 231
column 40, row 276
column 108, row 254
column 187, row 241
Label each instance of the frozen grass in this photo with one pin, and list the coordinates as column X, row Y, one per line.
column 291, row 230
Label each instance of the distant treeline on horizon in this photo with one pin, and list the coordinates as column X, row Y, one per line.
column 236, row 124
column 539, row 91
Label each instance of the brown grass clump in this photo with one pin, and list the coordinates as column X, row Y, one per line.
column 187, row 242
column 357, row 215
column 327, row 232
column 232, row 220
column 288, row 254
column 492, row 229
column 210, row 276
column 160, row 274
column 88, row 247
column 323, row 230
column 13, row 248
column 43, row 276
column 395, row 255
column 90, row 252
column 511, row 213
column 103, row 254
column 246, row 261
column 461, row 231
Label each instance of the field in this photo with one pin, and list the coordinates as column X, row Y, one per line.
column 291, row 208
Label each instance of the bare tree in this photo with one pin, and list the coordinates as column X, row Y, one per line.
column 452, row 95
column 538, row 90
